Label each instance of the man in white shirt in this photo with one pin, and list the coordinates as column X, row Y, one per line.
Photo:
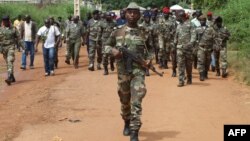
column 28, row 34
column 50, row 38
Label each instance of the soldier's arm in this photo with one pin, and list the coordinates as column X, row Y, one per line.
column 193, row 35
column 110, row 44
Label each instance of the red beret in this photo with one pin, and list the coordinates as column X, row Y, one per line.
column 166, row 10
column 209, row 13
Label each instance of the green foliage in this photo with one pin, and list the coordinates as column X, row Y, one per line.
column 211, row 4
column 38, row 14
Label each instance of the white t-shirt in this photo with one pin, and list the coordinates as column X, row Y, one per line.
column 27, row 30
column 50, row 34
column 196, row 22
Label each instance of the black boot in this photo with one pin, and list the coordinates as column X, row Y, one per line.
column 165, row 64
column 134, row 136
column 106, row 72
column 206, row 75
column 218, row 72
column 147, row 72
column 161, row 63
column 12, row 78
column 8, row 80
column 189, row 80
column 224, row 73
column 213, row 69
column 91, row 67
column 202, row 78
column 126, row 130
column 67, row 61
column 174, row 73
column 112, row 67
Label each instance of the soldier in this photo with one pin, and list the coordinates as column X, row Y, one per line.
column 154, row 24
column 50, row 37
column 221, row 51
column 206, row 39
column 148, row 29
column 166, row 32
column 184, row 41
column 131, row 84
column 28, row 34
column 74, row 33
column 8, row 38
column 107, row 27
column 94, row 35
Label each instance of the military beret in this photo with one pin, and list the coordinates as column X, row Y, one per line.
column 209, row 13
column 146, row 13
column 166, row 10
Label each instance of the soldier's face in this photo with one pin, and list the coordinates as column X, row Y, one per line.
column 147, row 19
column 96, row 16
column 133, row 15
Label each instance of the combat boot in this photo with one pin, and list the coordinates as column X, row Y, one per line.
column 165, row 64
column 218, row 72
column 8, row 80
column 213, row 69
column 147, row 72
column 112, row 67
column 174, row 73
column 12, row 78
column 67, row 61
column 106, row 72
column 99, row 66
column 160, row 63
column 126, row 130
column 91, row 67
column 134, row 136
column 189, row 80
column 206, row 75
column 224, row 73
column 181, row 84
column 202, row 78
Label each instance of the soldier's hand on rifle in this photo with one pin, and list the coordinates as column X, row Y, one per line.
column 147, row 63
column 116, row 53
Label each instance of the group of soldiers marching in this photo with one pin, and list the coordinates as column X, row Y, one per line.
column 164, row 35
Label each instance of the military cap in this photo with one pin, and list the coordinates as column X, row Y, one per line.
column 146, row 13
column 133, row 5
column 5, row 17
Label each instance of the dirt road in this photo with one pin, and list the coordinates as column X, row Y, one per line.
column 78, row 105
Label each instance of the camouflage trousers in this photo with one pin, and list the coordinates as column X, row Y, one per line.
column 204, row 59
column 195, row 55
column 221, row 56
column 131, row 90
column 73, row 50
column 173, row 54
column 164, row 51
column 94, row 48
column 9, row 57
column 56, row 55
column 184, row 62
column 156, row 50
column 106, row 58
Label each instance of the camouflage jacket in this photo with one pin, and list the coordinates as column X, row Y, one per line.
column 8, row 36
column 223, row 34
column 107, row 28
column 185, row 34
column 154, row 25
column 74, row 31
column 207, row 36
column 135, row 40
column 94, row 30
column 148, row 29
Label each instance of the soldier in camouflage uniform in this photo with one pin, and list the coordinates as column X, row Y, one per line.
column 131, row 84
column 8, row 38
column 166, row 32
column 184, row 41
column 148, row 29
column 107, row 27
column 221, row 51
column 206, row 39
column 74, row 32
column 154, row 24
column 94, row 35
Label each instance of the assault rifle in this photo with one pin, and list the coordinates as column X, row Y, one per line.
column 131, row 57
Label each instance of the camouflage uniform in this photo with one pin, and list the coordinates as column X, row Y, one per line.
column 8, row 37
column 184, row 40
column 154, row 25
column 207, row 37
column 74, row 32
column 94, row 32
column 221, row 51
column 166, row 31
column 131, row 86
column 107, row 28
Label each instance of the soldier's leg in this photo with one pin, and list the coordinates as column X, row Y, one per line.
column 112, row 61
column 92, row 50
column 77, row 47
column 138, row 92
column 174, row 61
column 189, row 66
column 195, row 56
column 10, row 64
column 105, row 63
column 207, row 62
column 224, row 64
column 181, row 66
column 201, row 63
column 217, row 63
column 99, row 56
column 69, row 52
column 125, row 96
column 213, row 61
